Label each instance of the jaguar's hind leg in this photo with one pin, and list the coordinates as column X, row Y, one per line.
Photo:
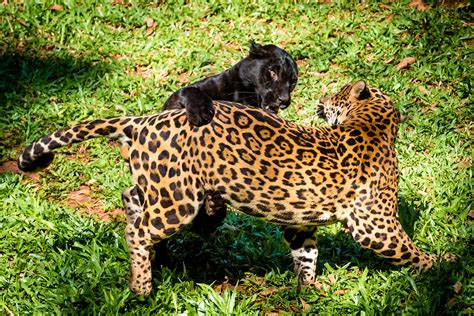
column 304, row 250
column 132, row 200
column 162, row 215
column 386, row 237
column 138, row 244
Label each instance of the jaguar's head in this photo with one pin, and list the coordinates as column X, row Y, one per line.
column 273, row 75
column 335, row 108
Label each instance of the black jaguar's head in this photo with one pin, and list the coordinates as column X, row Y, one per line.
column 272, row 74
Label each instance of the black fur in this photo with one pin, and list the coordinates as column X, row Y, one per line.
column 263, row 79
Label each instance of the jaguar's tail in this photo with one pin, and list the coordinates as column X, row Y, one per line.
column 39, row 154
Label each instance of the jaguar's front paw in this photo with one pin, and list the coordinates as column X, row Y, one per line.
column 200, row 113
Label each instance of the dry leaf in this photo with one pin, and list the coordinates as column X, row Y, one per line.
column 268, row 292
column 466, row 162
column 324, row 89
column 318, row 285
column 451, row 302
column 331, row 278
column 304, row 304
column 419, row 5
column 370, row 57
column 389, row 18
column 56, row 7
column 150, row 26
column 471, row 215
column 423, row 90
column 183, row 78
column 405, row 63
column 302, row 112
column 389, row 61
column 340, row 292
column 457, row 287
column 149, row 22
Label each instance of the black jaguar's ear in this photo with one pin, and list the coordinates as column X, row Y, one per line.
column 257, row 50
column 359, row 90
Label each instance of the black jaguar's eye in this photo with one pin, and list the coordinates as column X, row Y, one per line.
column 273, row 75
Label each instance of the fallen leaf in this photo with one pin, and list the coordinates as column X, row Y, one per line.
column 340, row 292
column 268, row 292
column 423, row 90
column 318, row 285
column 56, row 7
column 405, row 63
column 304, row 304
column 91, row 181
column 389, row 61
column 370, row 57
column 149, row 22
column 331, row 278
column 451, row 302
column 324, row 89
column 471, row 214
column 183, row 78
column 335, row 66
column 302, row 112
column 419, row 5
column 389, row 17
column 466, row 162
column 150, row 26
column 457, row 287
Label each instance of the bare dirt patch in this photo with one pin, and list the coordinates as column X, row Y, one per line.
column 83, row 201
column 12, row 167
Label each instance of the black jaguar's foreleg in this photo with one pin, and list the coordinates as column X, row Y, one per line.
column 304, row 250
column 198, row 105
column 210, row 215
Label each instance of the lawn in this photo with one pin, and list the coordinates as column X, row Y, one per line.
column 62, row 247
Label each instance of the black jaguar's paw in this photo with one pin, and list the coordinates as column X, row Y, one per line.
column 198, row 105
column 200, row 114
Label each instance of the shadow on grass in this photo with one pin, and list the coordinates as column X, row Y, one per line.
column 31, row 72
column 208, row 260
column 29, row 81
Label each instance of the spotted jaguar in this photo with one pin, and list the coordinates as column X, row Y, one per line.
column 264, row 166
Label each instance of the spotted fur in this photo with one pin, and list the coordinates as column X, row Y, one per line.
column 263, row 166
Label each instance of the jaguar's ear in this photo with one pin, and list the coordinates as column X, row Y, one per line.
column 359, row 90
column 257, row 50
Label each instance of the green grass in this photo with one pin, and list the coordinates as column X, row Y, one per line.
column 93, row 60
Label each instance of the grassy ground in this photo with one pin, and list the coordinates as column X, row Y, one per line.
column 61, row 65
